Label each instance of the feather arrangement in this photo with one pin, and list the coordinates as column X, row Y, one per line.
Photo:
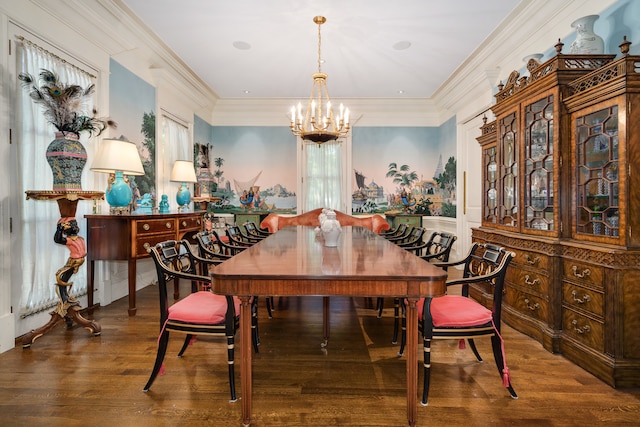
column 63, row 103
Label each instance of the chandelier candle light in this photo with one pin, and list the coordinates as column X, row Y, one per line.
column 317, row 125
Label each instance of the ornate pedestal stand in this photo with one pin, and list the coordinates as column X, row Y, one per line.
column 68, row 309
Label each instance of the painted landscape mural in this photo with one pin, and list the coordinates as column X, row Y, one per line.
column 253, row 167
column 396, row 169
column 405, row 170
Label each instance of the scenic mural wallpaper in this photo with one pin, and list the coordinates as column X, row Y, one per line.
column 405, row 170
column 133, row 103
column 252, row 167
column 396, row 169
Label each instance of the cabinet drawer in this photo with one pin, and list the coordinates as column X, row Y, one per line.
column 528, row 304
column 528, row 280
column 583, row 298
column 531, row 259
column 155, row 226
column 150, row 240
column 190, row 223
column 583, row 329
column 583, row 272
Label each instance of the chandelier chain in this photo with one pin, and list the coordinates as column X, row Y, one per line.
column 319, row 50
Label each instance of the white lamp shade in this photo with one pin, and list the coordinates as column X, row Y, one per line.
column 117, row 155
column 183, row 171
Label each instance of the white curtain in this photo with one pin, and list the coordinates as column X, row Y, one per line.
column 41, row 257
column 323, row 180
column 176, row 145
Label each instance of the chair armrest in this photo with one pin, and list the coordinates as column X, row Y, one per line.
column 449, row 263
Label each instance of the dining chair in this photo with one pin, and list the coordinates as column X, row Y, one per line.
column 237, row 238
column 209, row 247
column 199, row 313
column 458, row 317
column 254, row 231
column 436, row 249
column 398, row 231
column 414, row 238
column 403, row 236
column 225, row 245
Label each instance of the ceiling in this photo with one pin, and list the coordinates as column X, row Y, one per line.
column 370, row 48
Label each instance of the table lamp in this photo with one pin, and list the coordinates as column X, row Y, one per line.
column 183, row 171
column 119, row 157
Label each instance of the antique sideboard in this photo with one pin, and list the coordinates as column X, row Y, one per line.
column 127, row 237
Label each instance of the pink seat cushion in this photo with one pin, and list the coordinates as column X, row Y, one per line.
column 202, row 308
column 456, row 311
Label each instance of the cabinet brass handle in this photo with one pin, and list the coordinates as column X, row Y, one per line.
column 531, row 261
column 585, row 298
column 168, row 225
column 582, row 274
column 147, row 247
column 581, row 330
column 146, row 227
column 529, row 282
column 533, row 307
column 184, row 224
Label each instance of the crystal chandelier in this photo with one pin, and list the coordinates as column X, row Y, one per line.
column 319, row 124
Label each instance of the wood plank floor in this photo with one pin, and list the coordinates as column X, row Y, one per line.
column 70, row 378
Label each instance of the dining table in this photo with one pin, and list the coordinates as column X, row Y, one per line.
column 294, row 261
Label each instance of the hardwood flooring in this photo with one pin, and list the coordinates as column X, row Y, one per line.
column 70, row 378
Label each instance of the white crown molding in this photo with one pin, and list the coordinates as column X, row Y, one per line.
column 531, row 27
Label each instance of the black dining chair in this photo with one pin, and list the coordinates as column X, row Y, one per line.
column 458, row 317
column 199, row 313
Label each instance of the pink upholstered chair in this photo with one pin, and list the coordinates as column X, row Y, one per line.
column 459, row 317
column 199, row 313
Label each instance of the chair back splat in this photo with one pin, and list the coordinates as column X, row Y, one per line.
column 199, row 313
column 460, row 317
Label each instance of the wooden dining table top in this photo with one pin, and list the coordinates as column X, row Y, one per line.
column 294, row 261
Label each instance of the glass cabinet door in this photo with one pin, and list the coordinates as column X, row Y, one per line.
column 538, row 165
column 490, row 185
column 597, row 187
column 507, row 138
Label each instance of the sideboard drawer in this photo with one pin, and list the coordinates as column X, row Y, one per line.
column 152, row 226
column 583, row 329
column 145, row 241
column 190, row 223
column 531, row 259
column 528, row 280
column 583, row 272
column 582, row 298
column 526, row 303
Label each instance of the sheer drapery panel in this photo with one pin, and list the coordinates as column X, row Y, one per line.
column 41, row 257
column 324, row 176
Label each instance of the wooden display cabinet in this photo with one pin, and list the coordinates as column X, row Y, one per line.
column 559, row 164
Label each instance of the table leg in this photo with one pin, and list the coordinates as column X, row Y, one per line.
column 246, row 375
column 132, row 287
column 412, row 360
column 326, row 329
column 90, row 279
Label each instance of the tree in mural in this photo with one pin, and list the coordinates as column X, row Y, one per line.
column 218, row 162
column 147, row 183
column 447, row 179
column 401, row 175
column 447, row 183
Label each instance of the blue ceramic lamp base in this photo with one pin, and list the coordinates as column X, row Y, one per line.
column 118, row 194
column 183, row 197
